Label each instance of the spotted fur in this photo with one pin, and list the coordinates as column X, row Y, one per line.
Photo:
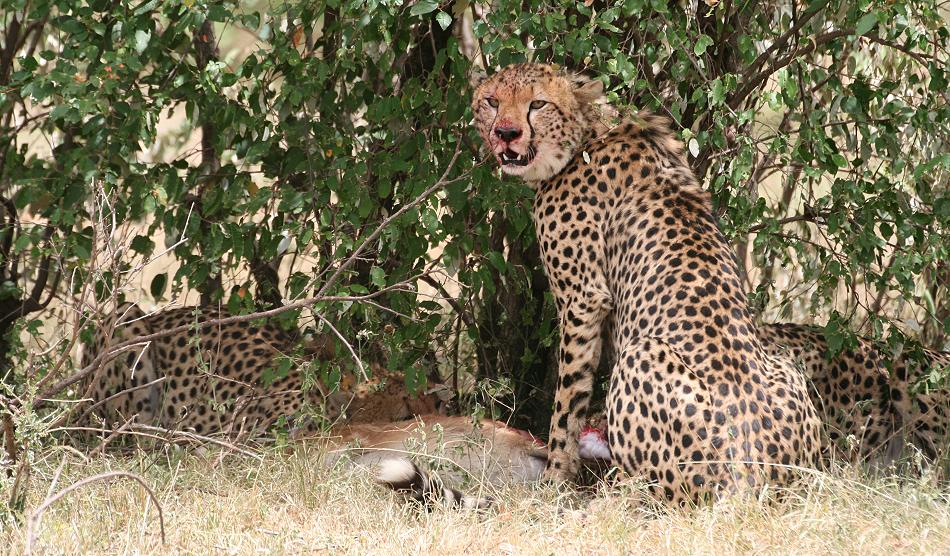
column 223, row 378
column 629, row 241
column 870, row 411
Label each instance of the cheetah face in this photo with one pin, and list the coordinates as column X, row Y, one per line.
column 533, row 117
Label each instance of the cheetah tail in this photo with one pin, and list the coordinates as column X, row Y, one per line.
column 404, row 476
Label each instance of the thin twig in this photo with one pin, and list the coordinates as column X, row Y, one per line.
column 116, row 395
column 34, row 521
column 347, row 344
column 439, row 184
column 194, row 436
column 105, row 442
column 149, row 431
column 915, row 55
column 805, row 217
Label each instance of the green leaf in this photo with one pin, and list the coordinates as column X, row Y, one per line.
column 378, row 277
column 423, row 7
column 862, row 91
column 157, row 288
column 867, row 22
column 702, row 43
column 942, row 207
column 443, row 19
column 141, row 40
column 143, row 245
column 145, row 7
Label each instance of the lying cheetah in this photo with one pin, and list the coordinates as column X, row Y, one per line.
column 629, row 240
column 225, row 378
column 868, row 409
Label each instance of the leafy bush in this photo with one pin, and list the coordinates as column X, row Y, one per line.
column 821, row 130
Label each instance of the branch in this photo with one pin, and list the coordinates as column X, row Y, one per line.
column 442, row 182
column 32, row 303
column 915, row 55
column 356, row 358
column 12, row 33
column 758, row 79
column 206, row 51
column 42, row 275
column 805, row 217
column 463, row 314
column 780, row 42
column 11, row 226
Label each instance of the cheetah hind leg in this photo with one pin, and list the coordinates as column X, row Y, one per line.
column 657, row 428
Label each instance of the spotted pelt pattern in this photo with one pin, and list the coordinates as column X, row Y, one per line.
column 227, row 378
column 870, row 410
column 629, row 240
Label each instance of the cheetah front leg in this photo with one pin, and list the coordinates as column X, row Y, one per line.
column 581, row 323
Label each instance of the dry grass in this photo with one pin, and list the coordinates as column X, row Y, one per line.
column 293, row 503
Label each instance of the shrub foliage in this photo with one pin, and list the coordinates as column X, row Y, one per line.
column 262, row 144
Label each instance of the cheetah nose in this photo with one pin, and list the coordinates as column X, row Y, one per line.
column 507, row 134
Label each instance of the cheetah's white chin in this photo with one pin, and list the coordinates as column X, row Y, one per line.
column 540, row 168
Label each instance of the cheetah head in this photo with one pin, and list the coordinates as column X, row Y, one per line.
column 534, row 117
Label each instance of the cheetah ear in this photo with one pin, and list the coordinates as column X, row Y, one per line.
column 587, row 90
column 476, row 76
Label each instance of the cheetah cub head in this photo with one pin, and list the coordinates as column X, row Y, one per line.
column 534, row 117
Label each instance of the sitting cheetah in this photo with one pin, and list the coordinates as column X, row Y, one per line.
column 223, row 379
column 861, row 402
column 629, row 240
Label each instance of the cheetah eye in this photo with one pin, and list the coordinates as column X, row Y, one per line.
column 493, row 102
column 537, row 104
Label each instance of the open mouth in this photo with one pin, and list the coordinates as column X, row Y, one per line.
column 511, row 158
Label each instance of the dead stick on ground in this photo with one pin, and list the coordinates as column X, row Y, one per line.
column 33, row 523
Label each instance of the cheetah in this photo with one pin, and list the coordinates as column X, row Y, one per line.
column 224, row 379
column 629, row 242
column 869, row 411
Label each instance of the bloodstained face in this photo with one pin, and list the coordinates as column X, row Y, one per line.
column 533, row 117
